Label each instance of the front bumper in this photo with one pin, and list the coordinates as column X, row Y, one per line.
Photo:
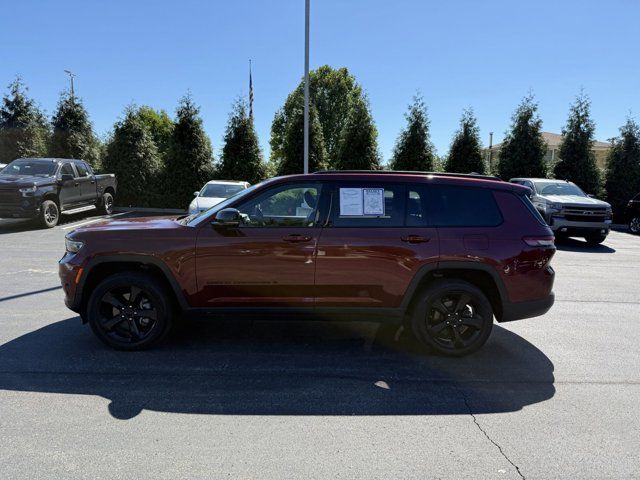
column 562, row 225
column 70, row 273
column 19, row 212
column 531, row 308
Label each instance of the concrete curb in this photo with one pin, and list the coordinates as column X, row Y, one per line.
column 148, row 210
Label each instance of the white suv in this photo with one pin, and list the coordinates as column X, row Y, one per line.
column 215, row 192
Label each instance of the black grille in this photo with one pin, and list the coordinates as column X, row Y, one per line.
column 9, row 197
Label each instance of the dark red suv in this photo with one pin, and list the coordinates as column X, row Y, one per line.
column 443, row 253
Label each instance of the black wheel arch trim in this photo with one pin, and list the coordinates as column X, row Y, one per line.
column 138, row 259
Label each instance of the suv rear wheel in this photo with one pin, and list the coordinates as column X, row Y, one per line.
column 634, row 225
column 130, row 311
column 453, row 316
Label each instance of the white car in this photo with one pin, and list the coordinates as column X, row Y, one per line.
column 214, row 192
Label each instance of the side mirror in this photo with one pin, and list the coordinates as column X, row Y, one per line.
column 227, row 217
column 66, row 177
column 196, row 193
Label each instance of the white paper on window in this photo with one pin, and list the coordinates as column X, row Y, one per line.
column 373, row 201
column 351, row 202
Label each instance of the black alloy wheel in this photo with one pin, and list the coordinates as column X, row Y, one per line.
column 454, row 317
column 634, row 225
column 129, row 311
column 107, row 204
column 50, row 215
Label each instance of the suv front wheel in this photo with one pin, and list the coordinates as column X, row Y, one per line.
column 453, row 317
column 130, row 311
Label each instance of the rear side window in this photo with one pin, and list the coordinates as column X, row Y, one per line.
column 534, row 211
column 82, row 169
column 453, row 206
column 368, row 205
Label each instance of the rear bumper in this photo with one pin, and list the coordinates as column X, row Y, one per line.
column 531, row 308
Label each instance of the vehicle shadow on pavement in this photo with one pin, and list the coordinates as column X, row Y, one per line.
column 575, row 245
column 280, row 368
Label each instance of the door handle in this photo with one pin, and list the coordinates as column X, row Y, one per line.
column 76, row 183
column 296, row 238
column 415, row 239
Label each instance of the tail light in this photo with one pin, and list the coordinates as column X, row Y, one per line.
column 539, row 241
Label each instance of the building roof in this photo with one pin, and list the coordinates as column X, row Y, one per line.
column 555, row 139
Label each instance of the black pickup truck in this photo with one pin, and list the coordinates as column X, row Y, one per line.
column 45, row 188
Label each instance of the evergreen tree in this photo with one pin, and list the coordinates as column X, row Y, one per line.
column 465, row 154
column 292, row 161
column 358, row 147
column 241, row 155
column 160, row 127
column 72, row 135
column 522, row 152
column 413, row 149
column 334, row 93
column 190, row 159
column 24, row 130
column 577, row 162
column 623, row 167
column 132, row 155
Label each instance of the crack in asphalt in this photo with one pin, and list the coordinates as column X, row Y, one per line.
column 484, row 432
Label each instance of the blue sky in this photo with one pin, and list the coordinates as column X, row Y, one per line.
column 486, row 55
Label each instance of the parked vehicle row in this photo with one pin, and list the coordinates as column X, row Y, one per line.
column 443, row 253
column 45, row 188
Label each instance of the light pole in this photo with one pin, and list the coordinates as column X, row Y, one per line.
column 71, row 76
column 306, row 86
column 490, row 153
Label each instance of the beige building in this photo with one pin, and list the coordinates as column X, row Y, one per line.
column 600, row 150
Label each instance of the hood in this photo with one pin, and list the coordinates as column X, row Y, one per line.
column 140, row 223
column 577, row 200
column 204, row 203
column 24, row 181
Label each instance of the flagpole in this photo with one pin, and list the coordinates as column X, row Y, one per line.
column 306, row 86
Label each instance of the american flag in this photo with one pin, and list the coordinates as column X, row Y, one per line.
column 250, row 94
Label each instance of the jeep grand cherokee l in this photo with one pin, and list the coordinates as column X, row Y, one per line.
column 443, row 253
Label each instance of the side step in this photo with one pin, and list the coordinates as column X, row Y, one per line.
column 79, row 210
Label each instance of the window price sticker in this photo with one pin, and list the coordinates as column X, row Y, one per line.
column 361, row 202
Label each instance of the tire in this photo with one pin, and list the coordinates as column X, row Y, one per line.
column 451, row 329
column 130, row 311
column 49, row 214
column 595, row 238
column 106, row 207
column 634, row 225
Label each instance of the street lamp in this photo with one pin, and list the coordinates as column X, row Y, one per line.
column 71, row 77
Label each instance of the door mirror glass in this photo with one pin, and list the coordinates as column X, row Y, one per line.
column 196, row 193
column 227, row 217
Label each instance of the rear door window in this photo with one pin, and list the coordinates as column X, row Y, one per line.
column 453, row 206
column 367, row 205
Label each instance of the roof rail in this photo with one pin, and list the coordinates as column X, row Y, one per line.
column 413, row 172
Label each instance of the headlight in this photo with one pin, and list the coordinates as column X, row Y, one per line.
column 72, row 246
column 554, row 206
column 27, row 190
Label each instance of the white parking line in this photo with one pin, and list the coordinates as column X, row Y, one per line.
column 76, row 225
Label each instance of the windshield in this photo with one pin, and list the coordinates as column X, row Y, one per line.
column 556, row 188
column 37, row 168
column 220, row 190
column 196, row 218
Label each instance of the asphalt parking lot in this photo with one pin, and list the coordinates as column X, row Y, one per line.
column 550, row 397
